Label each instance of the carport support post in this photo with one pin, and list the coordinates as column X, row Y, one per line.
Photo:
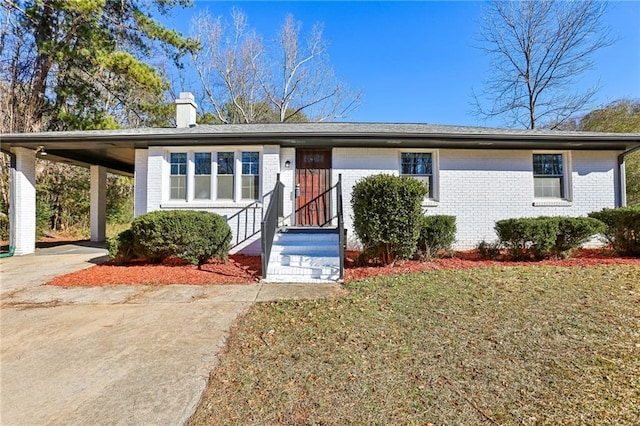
column 98, row 199
column 23, row 201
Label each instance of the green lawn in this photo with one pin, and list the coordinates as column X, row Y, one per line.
column 527, row 345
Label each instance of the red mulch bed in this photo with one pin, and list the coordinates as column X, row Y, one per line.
column 471, row 259
column 239, row 269
column 242, row 269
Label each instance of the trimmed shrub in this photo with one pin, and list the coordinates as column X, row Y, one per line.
column 386, row 213
column 573, row 232
column 526, row 237
column 622, row 229
column 194, row 236
column 542, row 237
column 437, row 233
column 121, row 247
column 489, row 250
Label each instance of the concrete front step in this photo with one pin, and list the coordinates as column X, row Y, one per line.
column 293, row 238
column 299, row 279
column 307, row 271
column 310, row 249
column 304, row 255
column 318, row 259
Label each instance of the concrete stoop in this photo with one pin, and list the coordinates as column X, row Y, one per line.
column 305, row 255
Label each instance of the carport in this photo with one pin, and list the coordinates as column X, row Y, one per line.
column 78, row 148
column 102, row 151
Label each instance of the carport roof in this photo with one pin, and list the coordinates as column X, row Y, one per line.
column 115, row 149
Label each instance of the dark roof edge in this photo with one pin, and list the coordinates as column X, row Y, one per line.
column 273, row 136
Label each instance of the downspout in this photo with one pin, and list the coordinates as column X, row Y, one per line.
column 10, row 253
column 622, row 187
column 12, row 171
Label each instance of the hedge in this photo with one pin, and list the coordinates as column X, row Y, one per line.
column 121, row 247
column 622, row 229
column 573, row 232
column 437, row 233
column 542, row 237
column 194, row 236
column 386, row 213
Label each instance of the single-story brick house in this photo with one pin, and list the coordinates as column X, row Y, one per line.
column 479, row 175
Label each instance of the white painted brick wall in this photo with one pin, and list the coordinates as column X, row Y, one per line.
column 140, row 182
column 355, row 164
column 23, row 211
column 480, row 187
column 157, row 190
column 287, row 177
column 270, row 167
column 157, row 182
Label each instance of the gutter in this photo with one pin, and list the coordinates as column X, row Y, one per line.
column 622, row 187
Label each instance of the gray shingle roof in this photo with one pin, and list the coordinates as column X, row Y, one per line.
column 323, row 129
column 115, row 149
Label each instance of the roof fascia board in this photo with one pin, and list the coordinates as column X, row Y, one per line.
column 293, row 138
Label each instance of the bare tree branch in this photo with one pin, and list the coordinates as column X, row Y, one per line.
column 289, row 79
column 538, row 48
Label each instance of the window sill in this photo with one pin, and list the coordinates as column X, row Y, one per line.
column 552, row 203
column 209, row 205
column 430, row 203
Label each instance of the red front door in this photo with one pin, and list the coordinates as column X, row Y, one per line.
column 313, row 175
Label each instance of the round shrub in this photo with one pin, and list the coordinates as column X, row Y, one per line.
column 121, row 247
column 386, row 213
column 622, row 229
column 525, row 237
column 573, row 232
column 437, row 233
column 194, row 236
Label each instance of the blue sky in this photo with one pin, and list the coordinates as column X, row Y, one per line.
column 415, row 61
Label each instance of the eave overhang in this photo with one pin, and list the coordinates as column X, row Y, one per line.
column 116, row 149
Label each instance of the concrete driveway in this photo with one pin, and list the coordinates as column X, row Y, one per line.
column 114, row 354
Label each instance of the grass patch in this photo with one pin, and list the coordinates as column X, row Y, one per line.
column 544, row 345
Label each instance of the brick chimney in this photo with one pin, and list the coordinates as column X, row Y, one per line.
column 186, row 110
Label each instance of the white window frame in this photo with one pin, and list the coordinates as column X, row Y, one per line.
column 243, row 175
column 567, row 187
column 186, row 176
column 214, row 202
column 210, row 175
column 234, row 198
column 434, row 190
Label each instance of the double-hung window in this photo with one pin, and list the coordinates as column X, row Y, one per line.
column 250, row 175
column 549, row 175
column 226, row 170
column 418, row 165
column 178, row 176
column 210, row 175
column 202, row 178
